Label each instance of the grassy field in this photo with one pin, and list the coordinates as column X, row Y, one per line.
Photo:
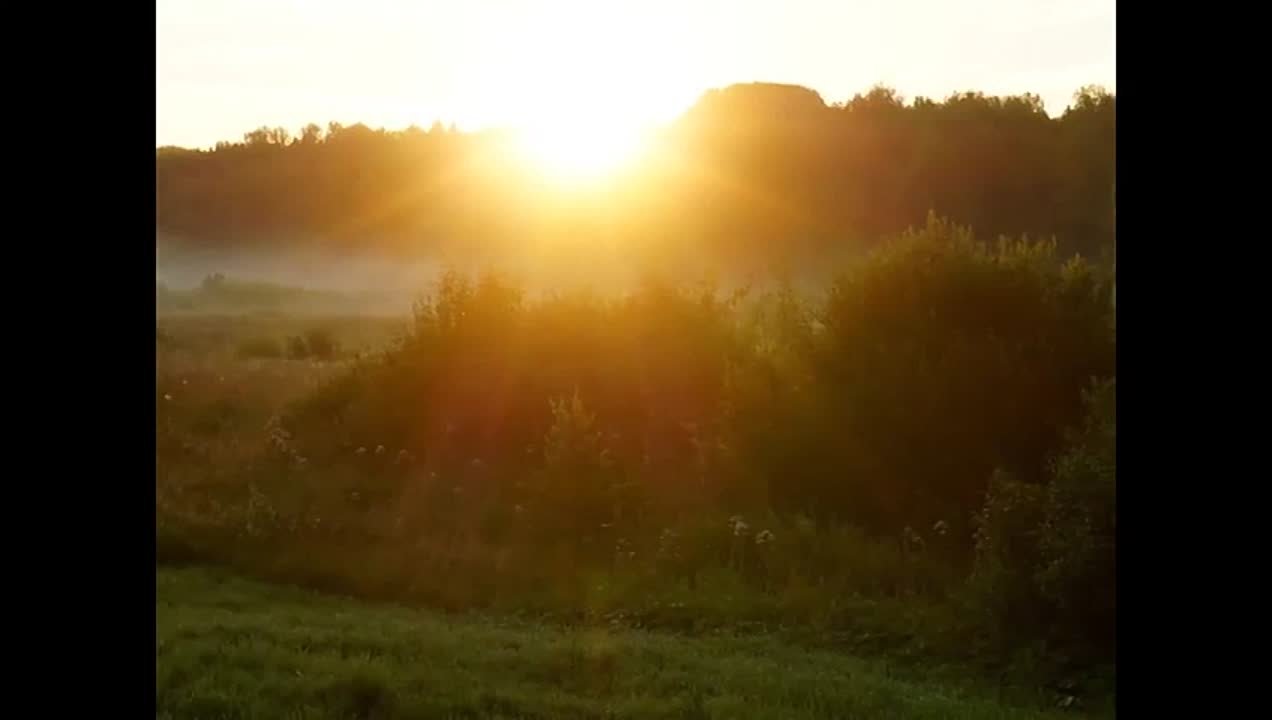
column 233, row 648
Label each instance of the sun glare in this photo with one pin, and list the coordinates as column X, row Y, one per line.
column 577, row 151
column 577, row 80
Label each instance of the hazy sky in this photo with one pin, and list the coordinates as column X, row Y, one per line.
column 228, row 66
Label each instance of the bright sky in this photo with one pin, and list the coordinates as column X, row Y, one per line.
column 229, row 66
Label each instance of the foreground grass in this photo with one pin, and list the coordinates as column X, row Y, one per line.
column 232, row 648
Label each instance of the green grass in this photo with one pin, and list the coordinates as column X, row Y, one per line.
column 233, row 648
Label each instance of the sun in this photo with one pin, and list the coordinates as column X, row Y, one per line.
column 578, row 83
column 574, row 149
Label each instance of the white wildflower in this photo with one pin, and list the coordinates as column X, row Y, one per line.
column 764, row 537
column 379, row 449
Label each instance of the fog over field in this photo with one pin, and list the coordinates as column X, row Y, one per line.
column 379, row 282
column 185, row 268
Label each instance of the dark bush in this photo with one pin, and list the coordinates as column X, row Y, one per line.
column 1003, row 587
column 944, row 358
column 1046, row 553
column 1078, row 535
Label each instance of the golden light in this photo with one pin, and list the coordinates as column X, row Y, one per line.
column 571, row 149
column 578, row 82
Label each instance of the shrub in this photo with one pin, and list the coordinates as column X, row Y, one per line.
column 575, row 494
column 1046, row 553
column 1002, row 585
column 941, row 359
column 1078, row 533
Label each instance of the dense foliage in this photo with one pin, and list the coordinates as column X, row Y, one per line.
column 750, row 174
column 940, row 424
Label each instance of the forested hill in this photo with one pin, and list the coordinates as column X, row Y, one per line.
column 751, row 172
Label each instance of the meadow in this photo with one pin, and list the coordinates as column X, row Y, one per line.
column 890, row 498
column 232, row 648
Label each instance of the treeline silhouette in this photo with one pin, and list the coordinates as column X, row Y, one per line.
column 751, row 173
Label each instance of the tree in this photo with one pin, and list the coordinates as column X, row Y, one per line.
column 311, row 134
column 753, row 175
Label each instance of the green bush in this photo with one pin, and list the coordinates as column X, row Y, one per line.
column 1003, row 585
column 943, row 358
column 1046, row 553
column 1078, row 534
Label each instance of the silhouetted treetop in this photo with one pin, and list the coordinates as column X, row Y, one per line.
column 751, row 172
column 759, row 104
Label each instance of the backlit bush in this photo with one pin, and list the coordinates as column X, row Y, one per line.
column 756, row 452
